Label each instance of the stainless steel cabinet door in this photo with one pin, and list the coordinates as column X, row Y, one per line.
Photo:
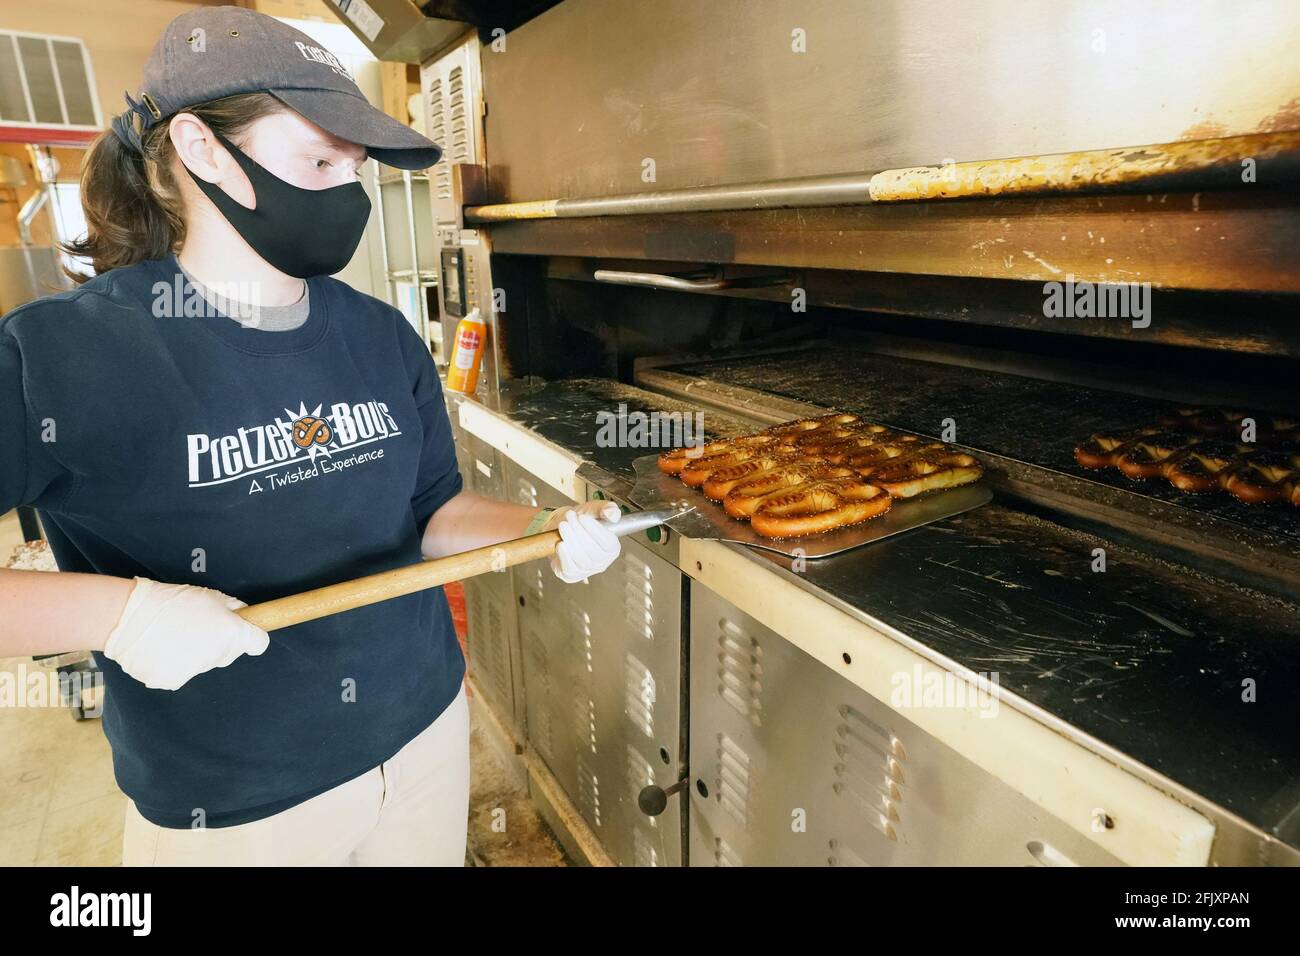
column 633, row 611
column 602, row 686
column 492, row 637
column 793, row 765
column 492, row 631
column 546, row 666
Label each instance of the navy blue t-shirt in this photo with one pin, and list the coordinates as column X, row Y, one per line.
column 197, row 450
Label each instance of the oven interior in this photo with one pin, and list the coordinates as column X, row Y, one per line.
column 972, row 361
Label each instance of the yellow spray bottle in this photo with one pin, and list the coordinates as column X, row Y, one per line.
column 467, row 354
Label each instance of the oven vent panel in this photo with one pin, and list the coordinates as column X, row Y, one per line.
column 640, row 774
column 584, row 722
column 580, row 638
column 500, row 660
column 639, row 695
column 740, row 670
column 453, row 104
column 438, row 133
column 533, row 582
column 448, row 128
column 541, row 724
column 588, row 793
column 638, row 593
column 734, row 781
column 868, row 770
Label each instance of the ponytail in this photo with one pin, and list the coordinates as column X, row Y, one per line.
column 134, row 210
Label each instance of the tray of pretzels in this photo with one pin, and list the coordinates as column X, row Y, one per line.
column 1201, row 451
column 815, row 486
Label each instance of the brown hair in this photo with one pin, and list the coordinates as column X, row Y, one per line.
column 133, row 206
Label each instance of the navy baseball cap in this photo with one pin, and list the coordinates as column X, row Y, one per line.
column 211, row 52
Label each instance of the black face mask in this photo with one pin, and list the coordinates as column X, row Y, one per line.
column 302, row 232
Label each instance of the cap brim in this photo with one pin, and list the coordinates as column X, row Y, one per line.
column 352, row 118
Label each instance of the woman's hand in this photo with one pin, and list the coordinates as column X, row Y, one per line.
column 169, row 633
column 587, row 545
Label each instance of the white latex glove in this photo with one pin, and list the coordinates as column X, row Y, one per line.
column 587, row 546
column 169, row 633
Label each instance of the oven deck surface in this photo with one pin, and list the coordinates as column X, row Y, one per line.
column 1022, row 419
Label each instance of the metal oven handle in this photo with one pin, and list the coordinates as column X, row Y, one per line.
column 708, row 282
column 657, row 280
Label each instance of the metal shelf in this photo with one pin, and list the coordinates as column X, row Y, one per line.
column 405, row 244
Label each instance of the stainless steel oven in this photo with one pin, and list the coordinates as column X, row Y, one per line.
column 692, row 209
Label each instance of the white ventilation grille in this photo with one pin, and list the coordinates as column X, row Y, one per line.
column 588, row 793
column 869, row 770
column 640, row 774
column 500, row 659
column 734, row 783
column 46, row 81
column 638, row 596
column 580, row 637
column 448, row 127
column 740, row 670
column 458, row 125
column 438, row 133
column 541, row 730
column 639, row 695
column 584, row 722
column 533, row 581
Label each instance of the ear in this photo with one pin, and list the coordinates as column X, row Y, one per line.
column 198, row 149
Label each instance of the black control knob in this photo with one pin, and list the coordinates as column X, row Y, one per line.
column 654, row 800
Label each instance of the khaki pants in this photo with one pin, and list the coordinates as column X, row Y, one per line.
column 412, row 810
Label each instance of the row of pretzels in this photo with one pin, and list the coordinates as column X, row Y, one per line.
column 818, row 474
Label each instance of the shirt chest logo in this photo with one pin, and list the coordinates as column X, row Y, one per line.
column 285, row 450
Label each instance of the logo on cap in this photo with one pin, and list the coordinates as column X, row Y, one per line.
column 325, row 57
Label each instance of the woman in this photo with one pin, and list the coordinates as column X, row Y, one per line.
column 212, row 411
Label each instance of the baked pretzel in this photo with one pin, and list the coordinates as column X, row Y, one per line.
column 674, row 461
column 722, row 480
column 819, row 506
column 1264, row 477
column 696, row 472
column 884, row 451
column 839, row 450
column 785, row 482
column 1203, row 467
column 859, row 434
column 911, row 475
column 808, row 424
column 1146, row 457
column 745, row 495
column 1101, row 450
column 1228, row 423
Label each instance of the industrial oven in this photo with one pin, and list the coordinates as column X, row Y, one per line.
column 1007, row 226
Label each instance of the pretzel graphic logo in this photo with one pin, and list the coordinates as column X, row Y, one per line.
column 309, row 430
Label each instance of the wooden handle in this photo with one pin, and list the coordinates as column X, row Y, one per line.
column 322, row 602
